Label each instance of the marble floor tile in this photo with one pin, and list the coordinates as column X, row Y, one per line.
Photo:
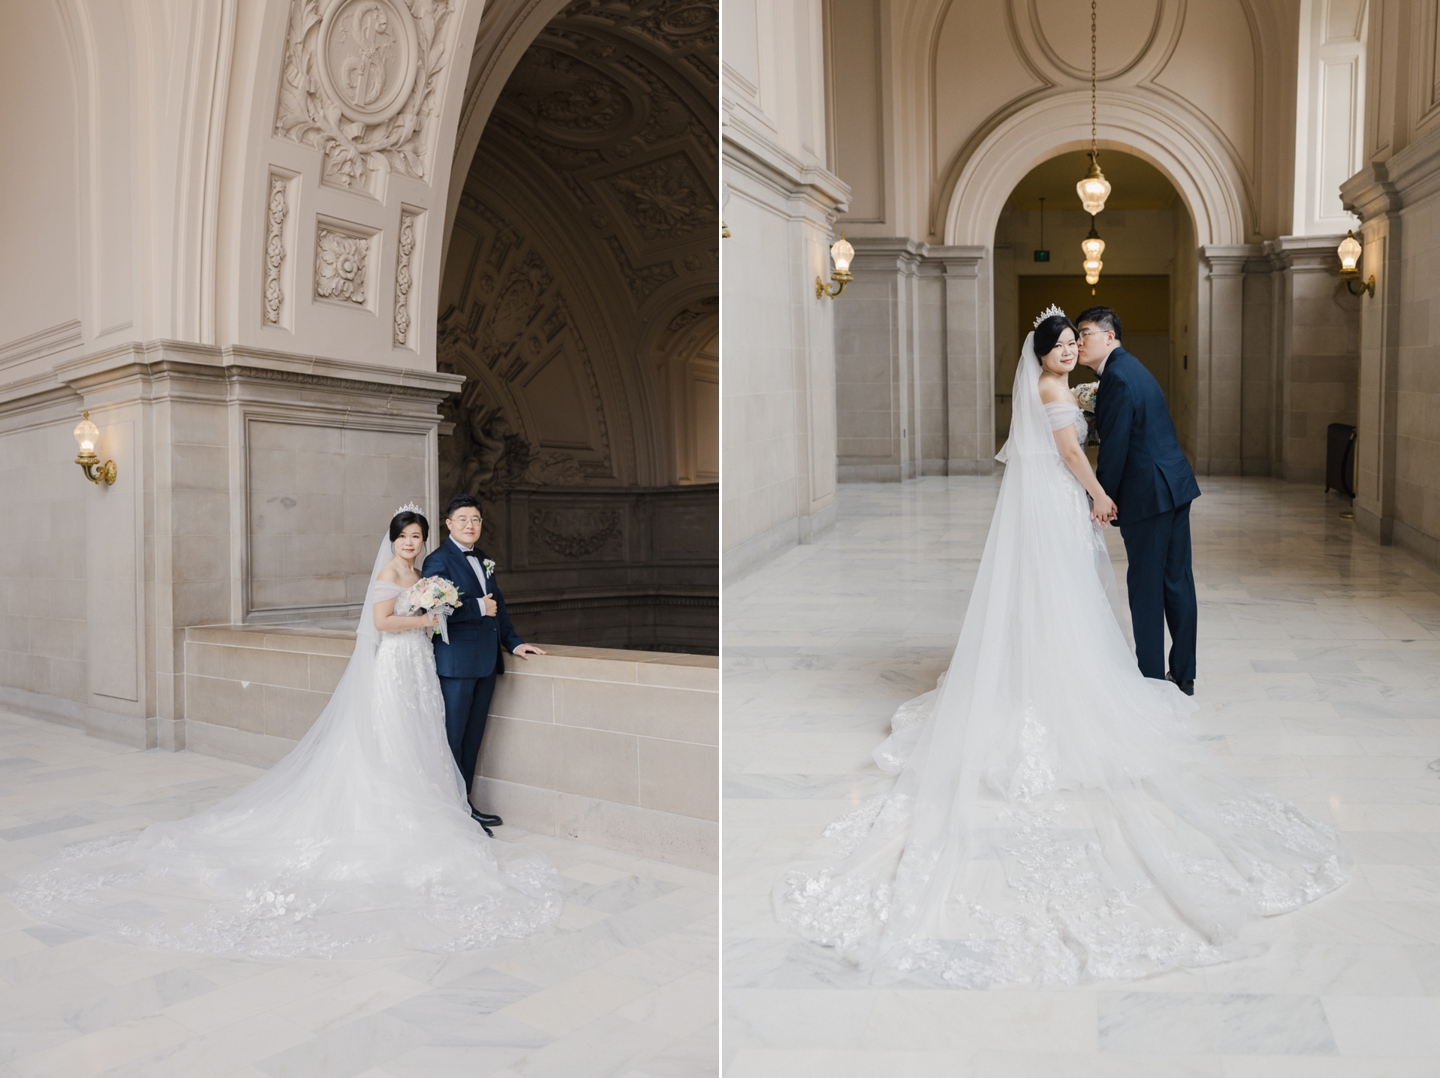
column 635, row 935
column 1319, row 675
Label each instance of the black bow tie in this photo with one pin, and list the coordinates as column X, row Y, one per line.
column 471, row 553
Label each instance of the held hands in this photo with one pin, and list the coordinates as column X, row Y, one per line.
column 487, row 605
column 1103, row 510
column 527, row 650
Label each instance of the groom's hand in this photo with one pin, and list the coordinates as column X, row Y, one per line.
column 527, row 650
column 487, row 605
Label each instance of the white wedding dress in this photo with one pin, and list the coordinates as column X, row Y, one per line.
column 1054, row 819
column 359, row 842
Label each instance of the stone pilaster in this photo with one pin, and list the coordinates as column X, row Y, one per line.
column 877, row 374
column 1221, row 356
column 969, row 361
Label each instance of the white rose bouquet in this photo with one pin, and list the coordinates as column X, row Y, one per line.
column 1085, row 394
column 436, row 595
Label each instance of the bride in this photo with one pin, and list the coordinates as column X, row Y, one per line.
column 1054, row 819
column 360, row 841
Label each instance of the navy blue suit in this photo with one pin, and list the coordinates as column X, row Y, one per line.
column 1142, row 466
column 469, row 664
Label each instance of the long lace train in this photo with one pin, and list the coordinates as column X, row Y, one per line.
column 1053, row 820
column 359, row 842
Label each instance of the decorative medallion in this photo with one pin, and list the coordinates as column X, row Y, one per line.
column 340, row 265
column 359, row 82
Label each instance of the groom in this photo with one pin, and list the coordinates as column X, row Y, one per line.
column 1142, row 467
column 469, row 664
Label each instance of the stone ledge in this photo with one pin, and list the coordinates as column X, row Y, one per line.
column 617, row 747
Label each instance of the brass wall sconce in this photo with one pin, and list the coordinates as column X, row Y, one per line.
column 1349, row 251
column 87, row 433
column 842, row 254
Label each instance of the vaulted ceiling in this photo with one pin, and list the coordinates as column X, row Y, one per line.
column 586, row 239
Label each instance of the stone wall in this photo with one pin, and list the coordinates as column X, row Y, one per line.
column 617, row 568
column 778, row 383
column 1395, row 196
column 614, row 747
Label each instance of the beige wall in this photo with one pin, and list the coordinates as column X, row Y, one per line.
column 1394, row 194
column 777, row 360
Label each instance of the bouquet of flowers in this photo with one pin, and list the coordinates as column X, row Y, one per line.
column 435, row 595
column 1085, row 394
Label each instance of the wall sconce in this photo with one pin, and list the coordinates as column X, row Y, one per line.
column 87, row 433
column 842, row 254
column 1349, row 251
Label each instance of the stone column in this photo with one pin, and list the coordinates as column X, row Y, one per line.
column 1317, row 361
column 1221, row 352
column 1372, row 196
column 969, row 360
column 875, row 364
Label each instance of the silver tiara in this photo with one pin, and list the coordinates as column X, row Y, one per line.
column 409, row 507
column 1046, row 313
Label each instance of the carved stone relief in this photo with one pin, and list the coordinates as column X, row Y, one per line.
column 577, row 533
column 403, row 280
column 275, row 247
column 511, row 327
column 341, row 261
column 359, row 81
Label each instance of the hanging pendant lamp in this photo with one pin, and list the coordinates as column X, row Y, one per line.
column 1094, row 189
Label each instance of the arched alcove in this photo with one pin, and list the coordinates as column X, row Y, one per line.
column 1148, row 276
column 580, row 287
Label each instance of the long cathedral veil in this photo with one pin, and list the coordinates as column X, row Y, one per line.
column 1053, row 819
column 359, row 841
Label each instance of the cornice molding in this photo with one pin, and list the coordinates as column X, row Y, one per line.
column 744, row 148
column 164, row 358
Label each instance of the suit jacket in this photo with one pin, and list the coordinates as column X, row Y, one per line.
column 1140, row 464
column 475, row 639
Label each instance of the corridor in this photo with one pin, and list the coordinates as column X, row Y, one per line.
column 1319, row 675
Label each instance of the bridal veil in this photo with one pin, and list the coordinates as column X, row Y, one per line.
column 1053, row 820
column 358, row 842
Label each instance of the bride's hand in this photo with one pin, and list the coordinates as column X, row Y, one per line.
column 1103, row 509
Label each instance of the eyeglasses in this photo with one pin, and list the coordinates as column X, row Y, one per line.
column 1091, row 332
column 462, row 521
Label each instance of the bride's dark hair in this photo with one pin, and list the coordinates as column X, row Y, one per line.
column 1048, row 332
column 401, row 521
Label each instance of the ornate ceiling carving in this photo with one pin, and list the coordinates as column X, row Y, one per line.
column 591, row 205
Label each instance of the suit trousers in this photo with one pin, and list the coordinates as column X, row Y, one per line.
column 1162, row 592
column 467, row 704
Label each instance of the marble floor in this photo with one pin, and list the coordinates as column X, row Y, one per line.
column 1319, row 673
column 625, row 986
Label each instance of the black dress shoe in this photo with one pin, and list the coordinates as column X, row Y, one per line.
column 1187, row 687
column 486, row 820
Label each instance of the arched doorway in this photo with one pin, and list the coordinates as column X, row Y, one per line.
column 1148, row 277
column 580, row 291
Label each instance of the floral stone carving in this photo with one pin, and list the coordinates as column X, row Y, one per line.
column 403, row 279
column 340, row 264
column 275, row 248
column 359, row 82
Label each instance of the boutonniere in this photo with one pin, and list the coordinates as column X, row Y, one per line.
column 489, row 564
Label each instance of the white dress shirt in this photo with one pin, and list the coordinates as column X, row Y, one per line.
column 1101, row 369
column 479, row 568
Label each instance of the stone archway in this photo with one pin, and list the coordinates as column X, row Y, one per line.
column 580, row 258
column 1215, row 195
column 975, row 187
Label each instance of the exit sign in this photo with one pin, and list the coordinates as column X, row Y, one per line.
column 1042, row 256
